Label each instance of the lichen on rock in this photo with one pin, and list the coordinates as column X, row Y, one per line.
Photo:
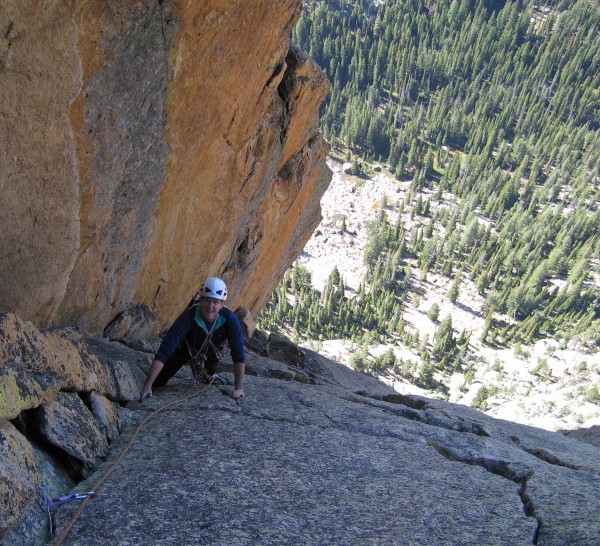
column 18, row 476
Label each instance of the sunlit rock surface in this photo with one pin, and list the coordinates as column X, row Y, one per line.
column 145, row 145
column 314, row 454
column 331, row 462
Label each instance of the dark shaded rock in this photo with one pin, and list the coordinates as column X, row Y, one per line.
column 283, row 350
column 127, row 383
column 258, row 343
column 246, row 321
column 125, row 367
column 135, row 323
column 143, row 345
column 264, row 367
column 68, row 425
column 54, row 482
column 19, row 477
column 406, row 400
column 107, row 414
column 107, row 351
column 589, row 435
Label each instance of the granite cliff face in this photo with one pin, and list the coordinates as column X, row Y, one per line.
column 147, row 144
column 315, row 454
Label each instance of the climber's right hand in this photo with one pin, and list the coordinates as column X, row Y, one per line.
column 146, row 392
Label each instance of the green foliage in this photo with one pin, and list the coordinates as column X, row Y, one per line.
column 542, row 369
column 469, row 377
column 493, row 120
column 359, row 360
column 497, row 104
column 425, row 378
column 386, row 361
column 358, row 169
column 434, row 312
column 443, row 341
column 486, row 328
column 454, row 290
column 593, row 395
column 369, row 316
column 480, row 400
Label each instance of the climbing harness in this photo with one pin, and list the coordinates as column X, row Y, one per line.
column 105, row 476
column 197, row 365
column 199, row 357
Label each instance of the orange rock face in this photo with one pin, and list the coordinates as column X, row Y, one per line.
column 147, row 145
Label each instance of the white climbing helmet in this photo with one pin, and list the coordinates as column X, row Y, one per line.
column 215, row 288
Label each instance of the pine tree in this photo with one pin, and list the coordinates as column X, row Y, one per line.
column 454, row 290
column 444, row 338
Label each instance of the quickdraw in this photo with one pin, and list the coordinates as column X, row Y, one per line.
column 105, row 476
column 59, row 501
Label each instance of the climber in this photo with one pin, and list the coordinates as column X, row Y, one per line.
column 196, row 338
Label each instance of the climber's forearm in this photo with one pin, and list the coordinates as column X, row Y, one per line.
column 238, row 374
column 155, row 369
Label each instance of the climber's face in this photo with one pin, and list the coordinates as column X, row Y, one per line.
column 209, row 308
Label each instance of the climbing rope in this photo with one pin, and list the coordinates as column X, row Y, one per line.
column 105, row 476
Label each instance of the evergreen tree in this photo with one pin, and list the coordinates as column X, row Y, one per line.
column 443, row 341
column 492, row 109
column 454, row 290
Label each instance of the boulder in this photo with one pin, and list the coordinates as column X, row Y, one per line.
column 19, row 477
column 125, row 367
column 68, row 424
column 246, row 321
column 258, row 343
column 589, row 435
column 35, row 365
column 284, row 350
column 107, row 414
column 135, row 323
column 54, row 481
column 127, row 381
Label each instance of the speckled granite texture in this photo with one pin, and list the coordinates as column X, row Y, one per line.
column 318, row 464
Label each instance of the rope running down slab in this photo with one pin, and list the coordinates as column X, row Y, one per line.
column 105, row 476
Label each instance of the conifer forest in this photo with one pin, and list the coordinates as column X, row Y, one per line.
column 491, row 109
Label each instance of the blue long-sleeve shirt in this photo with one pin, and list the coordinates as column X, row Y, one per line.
column 190, row 325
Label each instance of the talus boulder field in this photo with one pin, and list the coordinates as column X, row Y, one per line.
column 145, row 145
column 314, row 454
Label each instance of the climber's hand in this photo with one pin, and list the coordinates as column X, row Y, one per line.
column 237, row 393
column 146, row 392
